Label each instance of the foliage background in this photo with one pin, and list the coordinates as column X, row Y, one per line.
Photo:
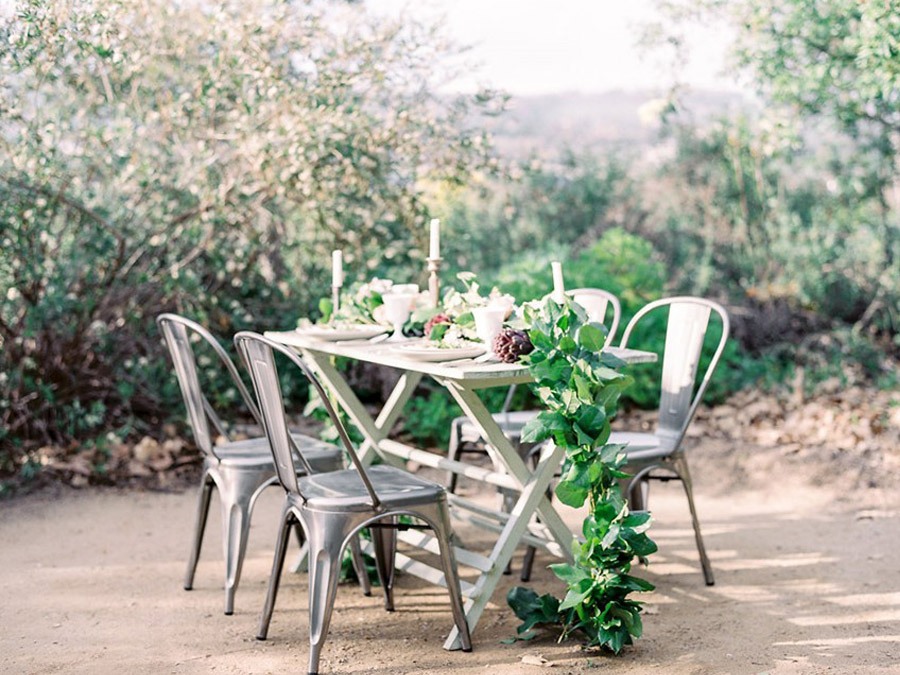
column 159, row 156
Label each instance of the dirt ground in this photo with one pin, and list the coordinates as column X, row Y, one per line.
column 807, row 581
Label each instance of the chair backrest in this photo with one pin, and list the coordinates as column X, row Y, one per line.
column 177, row 331
column 597, row 303
column 685, row 333
column 258, row 355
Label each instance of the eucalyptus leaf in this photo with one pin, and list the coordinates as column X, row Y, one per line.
column 591, row 338
column 571, row 494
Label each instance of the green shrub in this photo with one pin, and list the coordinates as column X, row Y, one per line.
column 158, row 157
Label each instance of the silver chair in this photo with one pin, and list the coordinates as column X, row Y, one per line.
column 465, row 438
column 660, row 455
column 332, row 507
column 239, row 470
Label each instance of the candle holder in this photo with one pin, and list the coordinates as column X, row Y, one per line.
column 434, row 283
column 335, row 301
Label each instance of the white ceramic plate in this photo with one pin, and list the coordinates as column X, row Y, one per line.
column 335, row 334
column 424, row 352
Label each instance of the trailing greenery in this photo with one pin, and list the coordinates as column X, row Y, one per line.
column 579, row 386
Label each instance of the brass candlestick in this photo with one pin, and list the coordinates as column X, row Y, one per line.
column 434, row 283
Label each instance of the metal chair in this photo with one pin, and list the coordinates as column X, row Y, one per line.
column 465, row 438
column 332, row 507
column 239, row 470
column 659, row 455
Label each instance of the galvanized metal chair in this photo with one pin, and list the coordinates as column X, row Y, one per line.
column 465, row 438
column 238, row 469
column 659, row 454
column 332, row 507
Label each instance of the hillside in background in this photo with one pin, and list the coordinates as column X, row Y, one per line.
column 543, row 125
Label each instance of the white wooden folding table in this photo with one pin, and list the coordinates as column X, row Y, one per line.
column 462, row 379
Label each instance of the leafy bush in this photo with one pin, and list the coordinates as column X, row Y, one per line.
column 752, row 211
column 199, row 159
column 538, row 206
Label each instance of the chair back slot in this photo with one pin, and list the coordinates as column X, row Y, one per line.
column 597, row 302
column 686, row 328
column 178, row 332
column 684, row 339
column 257, row 352
column 259, row 359
column 178, row 343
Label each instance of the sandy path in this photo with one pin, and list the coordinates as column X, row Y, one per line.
column 90, row 582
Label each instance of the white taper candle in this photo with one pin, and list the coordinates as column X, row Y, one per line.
column 559, row 289
column 434, row 250
column 337, row 269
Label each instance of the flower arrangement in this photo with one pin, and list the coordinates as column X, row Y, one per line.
column 364, row 304
column 454, row 323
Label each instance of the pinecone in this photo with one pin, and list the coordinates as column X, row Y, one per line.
column 511, row 343
column 433, row 321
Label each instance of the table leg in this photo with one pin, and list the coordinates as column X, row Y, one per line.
column 373, row 430
column 531, row 500
column 479, row 414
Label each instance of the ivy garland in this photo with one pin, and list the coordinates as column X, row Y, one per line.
column 580, row 385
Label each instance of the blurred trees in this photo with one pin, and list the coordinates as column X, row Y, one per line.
column 177, row 156
column 819, row 167
column 202, row 158
column 536, row 206
column 840, row 59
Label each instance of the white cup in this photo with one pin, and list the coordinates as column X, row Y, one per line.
column 397, row 308
column 488, row 322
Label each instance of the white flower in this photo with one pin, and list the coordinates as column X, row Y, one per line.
column 380, row 286
column 503, row 301
column 379, row 314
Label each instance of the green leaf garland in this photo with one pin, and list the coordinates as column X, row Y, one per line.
column 579, row 386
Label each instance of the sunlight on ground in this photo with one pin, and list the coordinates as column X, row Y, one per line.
column 841, row 642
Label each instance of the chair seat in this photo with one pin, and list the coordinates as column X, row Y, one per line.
column 510, row 423
column 255, row 452
column 643, row 446
column 344, row 490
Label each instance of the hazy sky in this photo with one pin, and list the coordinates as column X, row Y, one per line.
column 534, row 47
column 537, row 47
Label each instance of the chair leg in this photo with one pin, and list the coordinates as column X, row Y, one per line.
column 236, row 530
column 284, row 533
column 326, row 535
column 681, row 467
column 385, row 541
column 440, row 522
column 359, row 566
column 453, row 454
column 238, row 491
column 205, row 496
column 639, row 495
column 527, row 563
